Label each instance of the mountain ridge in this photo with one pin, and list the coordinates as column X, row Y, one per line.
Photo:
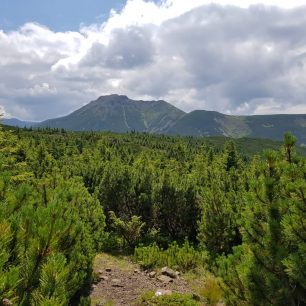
column 118, row 113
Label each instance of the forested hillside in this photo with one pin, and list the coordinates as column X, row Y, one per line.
column 182, row 202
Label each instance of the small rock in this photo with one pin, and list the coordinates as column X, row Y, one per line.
column 165, row 279
column 161, row 292
column 94, row 281
column 177, row 273
column 104, row 278
column 108, row 270
column 169, row 272
column 6, row 302
column 136, row 271
column 93, row 287
column 100, row 272
column 116, row 282
column 152, row 274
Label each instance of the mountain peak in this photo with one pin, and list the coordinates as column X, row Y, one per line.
column 109, row 99
column 112, row 96
column 118, row 113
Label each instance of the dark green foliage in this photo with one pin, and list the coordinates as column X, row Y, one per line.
column 177, row 209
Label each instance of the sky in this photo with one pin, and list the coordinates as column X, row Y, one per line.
column 240, row 57
column 58, row 15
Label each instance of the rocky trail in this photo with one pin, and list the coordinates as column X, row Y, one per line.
column 121, row 282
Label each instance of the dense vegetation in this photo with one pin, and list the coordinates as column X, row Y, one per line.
column 181, row 201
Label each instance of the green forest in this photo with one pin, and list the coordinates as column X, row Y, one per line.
column 235, row 208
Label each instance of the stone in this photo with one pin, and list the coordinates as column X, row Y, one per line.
column 165, row 279
column 177, row 273
column 104, row 278
column 116, row 282
column 160, row 292
column 152, row 274
column 7, row 302
column 100, row 272
column 93, row 287
column 169, row 272
column 136, row 271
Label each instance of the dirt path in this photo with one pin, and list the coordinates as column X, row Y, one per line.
column 122, row 282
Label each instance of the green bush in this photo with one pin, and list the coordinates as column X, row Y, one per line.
column 175, row 299
column 129, row 230
column 183, row 258
column 210, row 290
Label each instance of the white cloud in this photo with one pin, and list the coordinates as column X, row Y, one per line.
column 239, row 3
column 231, row 56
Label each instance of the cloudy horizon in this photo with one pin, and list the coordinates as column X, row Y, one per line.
column 242, row 59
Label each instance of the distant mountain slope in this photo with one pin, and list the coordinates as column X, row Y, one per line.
column 18, row 123
column 197, row 123
column 119, row 114
column 205, row 123
column 274, row 126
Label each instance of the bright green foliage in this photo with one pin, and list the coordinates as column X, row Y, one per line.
column 289, row 143
column 268, row 268
column 294, row 221
column 174, row 299
column 56, row 186
column 50, row 230
column 9, row 276
column 210, row 290
column 53, row 278
column 183, row 258
column 130, row 231
column 53, row 241
column 222, row 203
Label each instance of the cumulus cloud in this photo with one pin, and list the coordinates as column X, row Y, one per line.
column 126, row 49
column 245, row 58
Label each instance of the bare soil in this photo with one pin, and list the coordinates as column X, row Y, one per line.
column 123, row 282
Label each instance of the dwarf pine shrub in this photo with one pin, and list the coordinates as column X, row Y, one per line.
column 184, row 257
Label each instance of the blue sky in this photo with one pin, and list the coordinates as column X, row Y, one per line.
column 59, row 15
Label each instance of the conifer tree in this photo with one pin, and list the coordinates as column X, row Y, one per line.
column 221, row 203
column 268, row 268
